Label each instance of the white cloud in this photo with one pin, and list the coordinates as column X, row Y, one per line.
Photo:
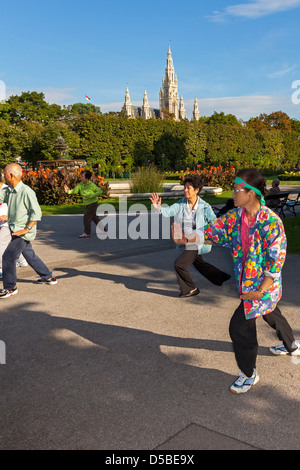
column 58, row 95
column 282, row 72
column 52, row 95
column 255, row 9
column 245, row 107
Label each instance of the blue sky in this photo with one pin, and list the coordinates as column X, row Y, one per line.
column 240, row 57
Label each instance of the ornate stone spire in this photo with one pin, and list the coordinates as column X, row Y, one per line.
column 145, row 107
column 168, row 95
column 196, row 114
column 182, row 114
column 127, row 105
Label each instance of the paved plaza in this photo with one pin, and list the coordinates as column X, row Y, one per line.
column 110, row 358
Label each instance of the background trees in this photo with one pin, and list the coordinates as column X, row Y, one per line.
column 29, row 127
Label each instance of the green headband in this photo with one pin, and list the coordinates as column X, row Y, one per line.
column 239, row 180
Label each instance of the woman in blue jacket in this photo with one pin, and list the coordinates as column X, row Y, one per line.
column 192, row 213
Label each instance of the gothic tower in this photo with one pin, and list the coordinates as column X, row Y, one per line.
column 168, row 95
column 182, row 114
column 146, row 108
column 196, row 110
column 127, row 105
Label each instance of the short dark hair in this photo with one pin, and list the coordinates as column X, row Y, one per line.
column 88, row 174
column 194, row 180
column 253, row 177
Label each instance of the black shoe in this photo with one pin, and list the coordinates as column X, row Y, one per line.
column 4, row 293
column 191, row 293
column 51, row 281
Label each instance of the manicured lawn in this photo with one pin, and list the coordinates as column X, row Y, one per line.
column 79, row 208
column 292, row 230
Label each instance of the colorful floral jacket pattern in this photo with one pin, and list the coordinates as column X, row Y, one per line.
column 266, row 255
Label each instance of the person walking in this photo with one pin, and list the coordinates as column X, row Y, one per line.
column 193, row 213
column 5, row 235
column 256, row 237
column 90, row 193
column 23, row 213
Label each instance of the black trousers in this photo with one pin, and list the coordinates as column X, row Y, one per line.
column 191, row 257
column 90, row 216
column 244, row 337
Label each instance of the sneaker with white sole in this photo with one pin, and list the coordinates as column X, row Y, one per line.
column 51, row 281
column 280, row 350
column 4, row 293
column 84, row 235
column 22, row 264
column 243, row 383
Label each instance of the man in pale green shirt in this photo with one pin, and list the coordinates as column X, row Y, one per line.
column 90, row 193
column 23, row 213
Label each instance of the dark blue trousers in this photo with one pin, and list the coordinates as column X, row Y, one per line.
column 17, row 246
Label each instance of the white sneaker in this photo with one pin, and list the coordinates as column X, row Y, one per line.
column 84, row 235
column 22, row 264
column 280, row 350
column 243, row 383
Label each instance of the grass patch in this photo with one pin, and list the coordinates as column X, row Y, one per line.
column 292, row 230
column 79, row 208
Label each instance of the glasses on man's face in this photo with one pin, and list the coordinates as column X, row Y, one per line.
column 236, row 191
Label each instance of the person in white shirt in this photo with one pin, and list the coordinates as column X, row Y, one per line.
column 5, row 235
column 193, row 213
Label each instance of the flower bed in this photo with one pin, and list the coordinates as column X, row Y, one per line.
column 49, row 185
column 216, row 176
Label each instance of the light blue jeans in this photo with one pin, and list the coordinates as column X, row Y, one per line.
column 15, row 248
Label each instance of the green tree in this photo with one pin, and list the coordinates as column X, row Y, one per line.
column 39, row 140
column 222, row 118
column 10, row 143
column 276, row 120
column 196, row 144
column 273, row 149
column 82, row 108
column 31, row 106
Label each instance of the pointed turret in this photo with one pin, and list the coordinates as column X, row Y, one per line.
column 182, row 114
column 145, row 107
column 196, row 114
column 169, row 92
column 127, row 105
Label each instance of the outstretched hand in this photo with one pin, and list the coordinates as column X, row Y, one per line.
column 156, row 201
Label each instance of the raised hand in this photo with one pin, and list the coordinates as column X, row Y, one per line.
column 156, row 201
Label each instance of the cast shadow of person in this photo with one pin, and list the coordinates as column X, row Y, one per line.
column 82, row 384
column 143, row 284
